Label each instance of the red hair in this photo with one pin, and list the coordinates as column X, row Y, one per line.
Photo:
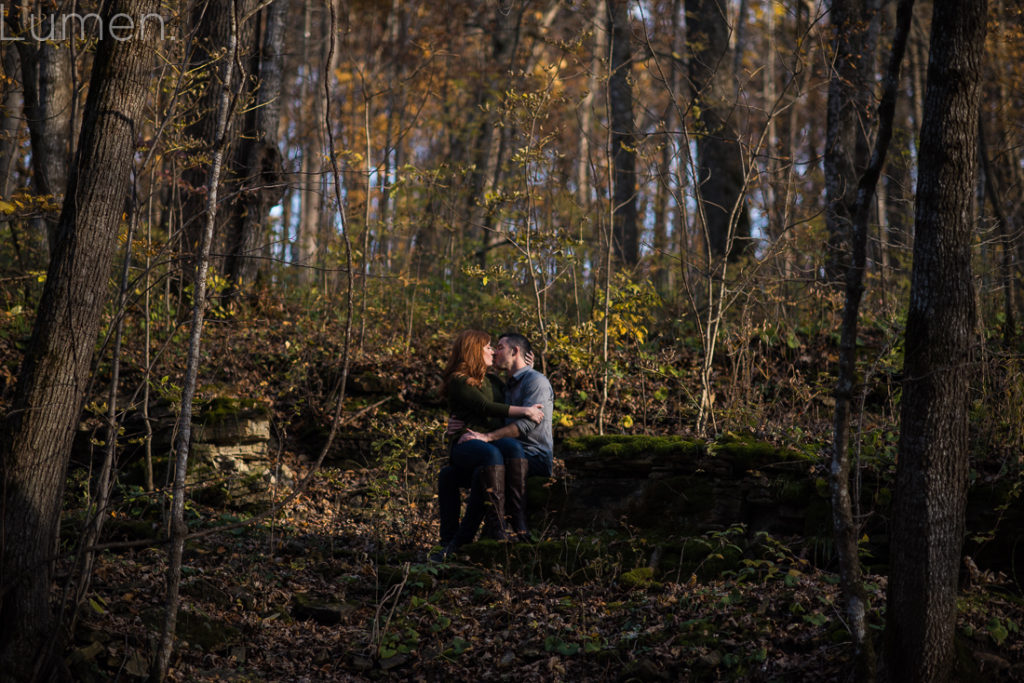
column 467, row 358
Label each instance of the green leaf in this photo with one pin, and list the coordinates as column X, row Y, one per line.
column 562, row 647
column 998, row 631
column 460, row 645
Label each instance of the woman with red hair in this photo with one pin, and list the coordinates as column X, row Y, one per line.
column 477, row 399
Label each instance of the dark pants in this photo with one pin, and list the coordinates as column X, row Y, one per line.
column 465, row 460
column 469, row 455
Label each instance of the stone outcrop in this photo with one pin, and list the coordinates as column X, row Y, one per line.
column 684, row 487
column 230, row 452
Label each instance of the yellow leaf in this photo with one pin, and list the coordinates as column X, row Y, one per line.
column 7, row 207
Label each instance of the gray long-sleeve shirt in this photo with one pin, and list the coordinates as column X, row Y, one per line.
column 526, row 388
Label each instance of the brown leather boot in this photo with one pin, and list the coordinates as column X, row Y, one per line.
column 492, row 481
column 483, row 504
column 516, row 470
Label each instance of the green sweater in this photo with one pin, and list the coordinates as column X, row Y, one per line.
column 483, row 409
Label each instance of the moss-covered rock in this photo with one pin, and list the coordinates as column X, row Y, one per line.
column 746, row 452
column 669, row 484
column 639, row 578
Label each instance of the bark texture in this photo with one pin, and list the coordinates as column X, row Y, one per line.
column 623, row 134
column 55, row 371
column 259, row 161
column 846, row 144
column 847, row 529
column 212, row 21
column 931, row 475
column 46, row 82
column 720, row 175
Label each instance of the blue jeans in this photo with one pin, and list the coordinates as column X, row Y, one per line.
column 484, row 461
column 469, row 455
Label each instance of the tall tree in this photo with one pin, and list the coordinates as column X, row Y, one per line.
column 586, row 109
column 46, row 82
column 849, row 101
column 720, row 175
column 931, row 473
column 847, row 530
column 211, row 22
column 623, row 133
column 258, row 159
column 10, row 121
column 55, row 371
column 490, row 148
column 311, row 176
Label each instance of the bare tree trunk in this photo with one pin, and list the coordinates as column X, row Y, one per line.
column 10, row 122
column 179, row 529
column 259, row 159
column 46, row 81
column 847, row 123
column 311, row 171
column 490, row 135
column 583, row 163
column 932, row 465
column 720, row 172
column 847, row 528
column 624, row 232
column 40, row 426
column 212, row 21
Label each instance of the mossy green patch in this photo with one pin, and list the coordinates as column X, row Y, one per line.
column 749, row 452
column 225, row 408
column 632, row 445
column 639, row 578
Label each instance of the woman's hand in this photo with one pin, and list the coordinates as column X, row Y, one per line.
column 536, row 412
column 470, row 435
column 454, row 426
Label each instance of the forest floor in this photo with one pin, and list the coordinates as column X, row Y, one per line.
column 337, row 586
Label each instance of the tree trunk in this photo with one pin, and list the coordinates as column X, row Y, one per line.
column 720, row 174
column 46, row 82
column 218, row 143
column 10, row 122
column 931, row 473
column 259, row 161
column 212, row 25
column 847, row 529
column 490, row 136
column 584, row 162
column 623, row 134
column 846, row 150
column 55, row 370
column 311, row 170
